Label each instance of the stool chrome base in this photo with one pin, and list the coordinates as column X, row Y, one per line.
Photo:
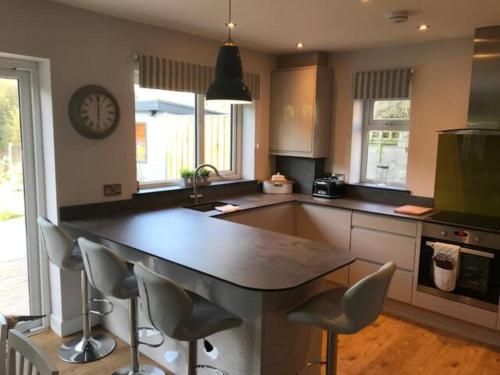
column 214, row 369
column 79, row 350
column 143, row 370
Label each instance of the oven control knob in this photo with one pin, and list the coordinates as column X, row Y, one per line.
column 444, row 233
column 477, row 239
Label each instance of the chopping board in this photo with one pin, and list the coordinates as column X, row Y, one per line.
column 412, row 210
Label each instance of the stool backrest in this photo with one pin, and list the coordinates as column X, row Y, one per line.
column 363, row 302
column 24, row 357
column 58, row 244
column 163, row 302
column 105, row 270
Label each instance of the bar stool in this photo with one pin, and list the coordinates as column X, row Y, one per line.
column 109, row 275
column 63, row 251
column 344, row 310
column 181, row 315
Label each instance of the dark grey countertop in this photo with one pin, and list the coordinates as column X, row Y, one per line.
column 248, row 257
column 259, row 200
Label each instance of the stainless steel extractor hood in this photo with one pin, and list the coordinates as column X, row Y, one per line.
column 484, row 102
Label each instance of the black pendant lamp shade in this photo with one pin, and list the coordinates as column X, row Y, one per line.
column 228, row 84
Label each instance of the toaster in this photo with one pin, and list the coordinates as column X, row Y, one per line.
column 329, row 187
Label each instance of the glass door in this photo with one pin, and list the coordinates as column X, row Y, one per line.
column 20, row 281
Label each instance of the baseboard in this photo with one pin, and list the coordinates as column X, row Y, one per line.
column 70, row 326
column 442, row 322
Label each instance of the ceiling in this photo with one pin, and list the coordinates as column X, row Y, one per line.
column 275, row 26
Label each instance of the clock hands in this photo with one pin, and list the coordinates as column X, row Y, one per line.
column 98, row 110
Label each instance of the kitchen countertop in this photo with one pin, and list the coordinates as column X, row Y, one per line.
column 248, row 257
column 261, row 200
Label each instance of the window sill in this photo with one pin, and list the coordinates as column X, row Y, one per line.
column 382, row 187
column 164, row 189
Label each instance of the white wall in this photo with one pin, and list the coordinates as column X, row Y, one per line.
column 87, row 48
column 440, row 95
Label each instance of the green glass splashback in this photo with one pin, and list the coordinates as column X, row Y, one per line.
column 468, row 174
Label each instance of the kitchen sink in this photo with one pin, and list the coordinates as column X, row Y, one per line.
column 207, row 206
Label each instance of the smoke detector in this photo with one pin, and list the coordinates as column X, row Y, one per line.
column 398, row 16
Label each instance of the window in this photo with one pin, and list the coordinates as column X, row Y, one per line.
column 176, row 130
column 385, row 142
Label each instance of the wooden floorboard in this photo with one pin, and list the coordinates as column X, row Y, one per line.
column 389, row 346
column 119, row 358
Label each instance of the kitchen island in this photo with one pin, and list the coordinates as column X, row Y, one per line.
column 256, row 274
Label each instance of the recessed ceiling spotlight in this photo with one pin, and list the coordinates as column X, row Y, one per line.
column 365, row 1
column 300, row 45
column 423, row 27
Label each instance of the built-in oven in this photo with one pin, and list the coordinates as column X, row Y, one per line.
column 476, row 269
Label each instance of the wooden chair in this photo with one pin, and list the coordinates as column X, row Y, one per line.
column 3, row 344
column 24, row 357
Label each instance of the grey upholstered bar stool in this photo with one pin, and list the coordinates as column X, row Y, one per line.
column 63, row 251
column 109, row 274
column 345, row 311
column 181, row 315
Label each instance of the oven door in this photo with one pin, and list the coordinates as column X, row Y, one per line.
column 478, row 283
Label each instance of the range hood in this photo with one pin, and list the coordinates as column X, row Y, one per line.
column 484, row 101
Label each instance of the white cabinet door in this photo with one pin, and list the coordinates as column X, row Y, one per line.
column 328, row 225
column 401, row 284
column 280, row 218
column 382, row 247
column 292, row 110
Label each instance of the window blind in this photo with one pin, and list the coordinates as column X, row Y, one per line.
column 383, row 84
column 165, row 74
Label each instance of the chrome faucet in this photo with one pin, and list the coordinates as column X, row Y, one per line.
column 195, row 194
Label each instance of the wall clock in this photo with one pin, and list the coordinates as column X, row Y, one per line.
column 94, row 111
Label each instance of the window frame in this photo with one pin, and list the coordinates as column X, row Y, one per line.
column 236, row 121
column 370, row 124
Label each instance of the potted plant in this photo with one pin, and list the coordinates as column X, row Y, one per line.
column 187, row 177
column 202, row 178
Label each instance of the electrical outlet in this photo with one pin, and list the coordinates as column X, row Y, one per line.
column 112, row 189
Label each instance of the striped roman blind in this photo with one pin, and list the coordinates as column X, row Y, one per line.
column 166, row 74
column 383, row 84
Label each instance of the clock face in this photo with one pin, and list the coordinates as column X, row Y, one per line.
column 98, row 112
column 94, row 111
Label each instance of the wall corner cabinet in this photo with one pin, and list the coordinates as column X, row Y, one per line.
column 301, row 102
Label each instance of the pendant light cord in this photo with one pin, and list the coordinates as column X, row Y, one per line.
column 229, row 21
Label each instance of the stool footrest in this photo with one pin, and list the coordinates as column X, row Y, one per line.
column 103, row 301
column 150, row 344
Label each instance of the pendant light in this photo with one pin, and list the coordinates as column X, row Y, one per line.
column 228, row 85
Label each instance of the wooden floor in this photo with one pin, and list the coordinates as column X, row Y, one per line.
column 389, row 346
column 119, row 358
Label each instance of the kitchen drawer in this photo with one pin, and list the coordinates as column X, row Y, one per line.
column 401, row 284
column 386, row 224
column 382, row 247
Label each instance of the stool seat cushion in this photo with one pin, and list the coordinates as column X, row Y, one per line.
column 107, row 272
column 177, row 313
column 62, row 250
column 347, row 311
column 324, row 311
column 206, row 319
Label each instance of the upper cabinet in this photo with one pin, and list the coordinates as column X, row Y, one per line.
column 301, row 101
